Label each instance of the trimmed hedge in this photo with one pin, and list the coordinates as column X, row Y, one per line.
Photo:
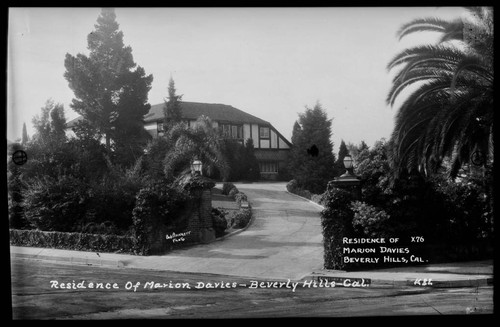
column 336, row 221
column 73, row 241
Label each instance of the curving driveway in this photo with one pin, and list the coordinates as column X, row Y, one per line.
column 284, row 241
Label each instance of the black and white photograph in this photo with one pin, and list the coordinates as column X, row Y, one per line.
column 250, row 163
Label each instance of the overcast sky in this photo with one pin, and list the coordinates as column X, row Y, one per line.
column 269, row 62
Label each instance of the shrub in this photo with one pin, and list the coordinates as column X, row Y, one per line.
column 219, row 221
column 112, row 200
column 304, row 193
column 227, row 187
column 369, row 219
column 240, row 197
column 233, row 193
column 317, row 198
column 242, row 218
column 68, row 202
column 284, row 175
column 52, row 204
column 292, row 185
column 468, row 210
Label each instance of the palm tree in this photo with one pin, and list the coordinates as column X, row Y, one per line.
column 199, row 141
column 448, row 114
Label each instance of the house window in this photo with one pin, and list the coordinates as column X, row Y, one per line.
column 226, row 130
column 264, row 132
column 160, row 127
column 268, row 167
column 232, row 131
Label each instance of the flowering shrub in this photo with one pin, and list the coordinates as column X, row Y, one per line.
column 240, row 197
column 242, row 218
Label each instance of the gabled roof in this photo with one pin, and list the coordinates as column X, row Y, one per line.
column 217, row 112
column 192, row 110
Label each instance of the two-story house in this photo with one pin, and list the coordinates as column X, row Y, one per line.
column 271, row 148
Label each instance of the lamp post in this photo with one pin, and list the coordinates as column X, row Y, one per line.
column 200, row 222
column 348, row 180
column 348, row 163
column 196, row 167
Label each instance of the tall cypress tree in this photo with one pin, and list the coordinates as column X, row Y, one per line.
column 312, row 161
column 25, row 137
column 343, row 152
column 296, row 132
column 172, row 110
column 252, row 171
column 111, row 90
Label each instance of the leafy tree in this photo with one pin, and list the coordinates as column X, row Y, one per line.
column 111, row 91
column 312, row 170
column 172, row 110
column 89, row 153
column 373, row 169
column 47, row 148
column 449, row 111
column 57, row 124
column 49, row 125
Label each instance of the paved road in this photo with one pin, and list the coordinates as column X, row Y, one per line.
column 284, row 241
column 33, row 297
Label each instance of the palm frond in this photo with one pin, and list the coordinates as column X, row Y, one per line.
column 473, row 64
column 440, row 79
column 426, row 53
column 432, row 24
